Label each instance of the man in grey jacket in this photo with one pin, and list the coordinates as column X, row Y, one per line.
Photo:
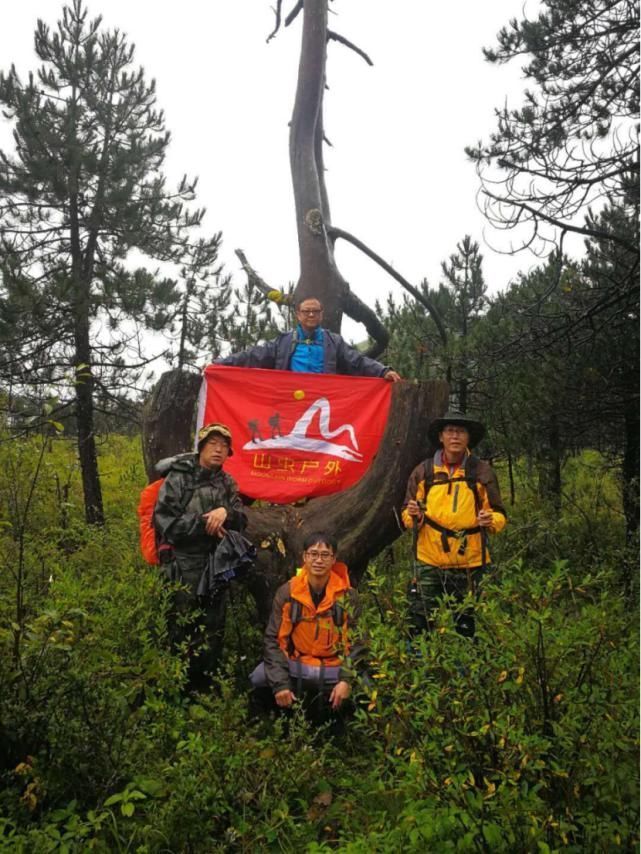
column 311, row 349
column 196, row 503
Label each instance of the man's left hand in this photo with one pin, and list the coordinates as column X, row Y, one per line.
column 391, row 376
column 214, row 521
column 485, row 518
column 340, row 692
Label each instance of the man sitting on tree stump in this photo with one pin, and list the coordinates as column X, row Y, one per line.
column 452, row 501
column 310, row 349
column 310, row 643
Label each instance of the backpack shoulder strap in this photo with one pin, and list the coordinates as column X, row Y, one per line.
column 295, row 611
column 472, row 467
column 187, row 496
column 471, row 477
column 428, row 476
column 338, row 614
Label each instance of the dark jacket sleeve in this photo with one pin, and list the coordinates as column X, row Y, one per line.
column 276, row 662
column 350, row 361
column 236, row 515
column 356, row 661
column 487, row 476
column 172, row 522
column 260, row 356
column 417, row 475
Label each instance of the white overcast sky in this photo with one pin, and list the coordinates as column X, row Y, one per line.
column 397, row 174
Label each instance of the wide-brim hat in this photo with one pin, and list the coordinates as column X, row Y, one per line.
column 459, row 419
column 215, row 428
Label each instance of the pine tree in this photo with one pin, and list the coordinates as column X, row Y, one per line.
column 466, row 288
column 253, row 319
column 415, row 347
column 194, row 310
column 83, row 188
column 575, row 139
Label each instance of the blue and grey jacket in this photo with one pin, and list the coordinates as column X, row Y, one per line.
column 338, row 357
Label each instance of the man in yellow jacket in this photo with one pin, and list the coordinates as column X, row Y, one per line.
column 453, row 501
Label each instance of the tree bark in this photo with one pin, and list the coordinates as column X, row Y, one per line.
column 319, row 275
column 94, row 512
column 630, row 466
column 169, row 418
column 549, row 465
column 362, row 518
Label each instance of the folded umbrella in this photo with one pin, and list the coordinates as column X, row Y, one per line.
column 233, row 557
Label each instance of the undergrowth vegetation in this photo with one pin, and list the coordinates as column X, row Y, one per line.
column 524, row 740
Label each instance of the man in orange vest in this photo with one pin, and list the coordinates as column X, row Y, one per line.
column 310, row 639
column 452, row 502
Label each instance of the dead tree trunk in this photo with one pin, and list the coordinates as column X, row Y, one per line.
column 362, row 518
column 319, row 275
column 168, row 418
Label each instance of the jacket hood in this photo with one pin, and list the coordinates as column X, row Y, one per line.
column 337, row 583
column 179, row 462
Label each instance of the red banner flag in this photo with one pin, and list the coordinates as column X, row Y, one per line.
column 295, row 435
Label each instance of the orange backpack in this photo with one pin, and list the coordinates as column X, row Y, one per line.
column 146, row 505
column 154, row 550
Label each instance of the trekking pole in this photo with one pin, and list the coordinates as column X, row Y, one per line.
column 415, row 586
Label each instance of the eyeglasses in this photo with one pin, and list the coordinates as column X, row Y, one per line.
column 216, row 443
column 311, row 311
column 314, row 555
column 455, row 431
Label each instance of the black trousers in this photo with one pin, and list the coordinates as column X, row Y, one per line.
column 197, row 625
column 431, row 584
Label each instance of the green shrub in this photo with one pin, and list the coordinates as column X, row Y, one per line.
column 524, row 740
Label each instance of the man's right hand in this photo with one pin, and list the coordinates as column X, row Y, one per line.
column 214, row 521
column 285, row 698
column 413, row 508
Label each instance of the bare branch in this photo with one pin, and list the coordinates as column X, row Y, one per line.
column 427, row 303
column 362, row 313
column 576, row 229
column 272, row 294
column 294, row 13
column 277, row 11
column 332, row 36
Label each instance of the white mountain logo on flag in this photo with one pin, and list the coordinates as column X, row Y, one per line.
column 298, row 439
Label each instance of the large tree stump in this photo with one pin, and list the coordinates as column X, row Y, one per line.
column 168, row 418
column 362, row 518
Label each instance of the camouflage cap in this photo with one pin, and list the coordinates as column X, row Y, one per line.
column 214, row 428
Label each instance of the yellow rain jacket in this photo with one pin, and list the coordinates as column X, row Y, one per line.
column 449, row 535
